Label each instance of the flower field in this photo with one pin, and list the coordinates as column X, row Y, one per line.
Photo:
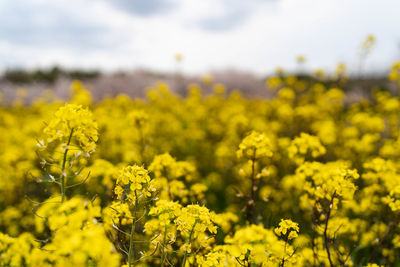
column 309, row 177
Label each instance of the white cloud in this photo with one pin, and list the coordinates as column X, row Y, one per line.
column 256, row 36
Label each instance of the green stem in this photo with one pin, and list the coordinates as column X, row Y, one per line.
column 63, row 181
column 142, row 144
column 314, row 226
column 130, row 252
column 163, row 246
column 189, row 241
column 251, row 212
column 326, row 239
column 284, row 254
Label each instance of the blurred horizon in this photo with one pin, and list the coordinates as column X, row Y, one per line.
column 254, row 36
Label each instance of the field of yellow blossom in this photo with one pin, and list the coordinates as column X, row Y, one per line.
column 306, row 178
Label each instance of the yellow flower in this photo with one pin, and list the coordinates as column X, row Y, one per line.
column 212, row 259
column 178, row 57
column 255, row 146
column 73, row 124
column 287, row 227
column 301, row 59
column 195, row 220
column 133, row 183
column 207, row 79
column 393, row 200
column 394, row 74
column 305, row 145
column 166, row 211
column 162, row 164
column 138, row 117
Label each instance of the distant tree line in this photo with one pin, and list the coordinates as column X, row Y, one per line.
column 48, row 76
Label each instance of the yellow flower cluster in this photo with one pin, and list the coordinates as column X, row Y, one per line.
column 212, row 259
column 166, row 166
column 171, row 175
column 256, row 245
column 255, row 146
column 72, row 123
column 138, row 118
column 287, row 227
column 193, row 222
column 79, row 94
column 305, row 145
column 204, row 180
column 367, row 45
column 394, row 199
column 327, row 181
column 188, row 226
column 118, row 213
column 133, row 184
column 394, row 74
column 79, row 238
column 19, row 251
column 166, row 211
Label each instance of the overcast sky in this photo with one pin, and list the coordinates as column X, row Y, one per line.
column 249, row 35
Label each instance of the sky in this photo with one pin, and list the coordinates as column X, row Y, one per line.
column 247, row 35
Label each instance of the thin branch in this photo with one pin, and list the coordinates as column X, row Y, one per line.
column 392, row 226
column 41, row 217
column 40, row 203
column 146, row 256
column 119, row 230
column 123, row 250
column 83, row 181
column 241, row 264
